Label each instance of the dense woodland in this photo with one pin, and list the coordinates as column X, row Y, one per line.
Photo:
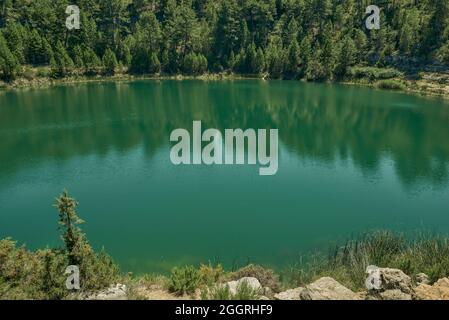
column 311, row 39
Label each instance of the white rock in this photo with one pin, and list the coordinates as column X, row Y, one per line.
column 252, row 282
column 327, row 289
column 291, row 294
column 117, row 292
column 422, row 278
column 391, row 279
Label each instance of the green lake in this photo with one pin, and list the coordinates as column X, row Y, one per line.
column 351, row 159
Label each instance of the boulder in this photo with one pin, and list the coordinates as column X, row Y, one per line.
column 439, row 290
column 422, row 278
column 327, row 289
column 253, row 283
column 388, row 284
column 394, row 294
column 391, row 279
column 291, row 294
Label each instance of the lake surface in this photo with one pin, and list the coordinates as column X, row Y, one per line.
column 351, row 159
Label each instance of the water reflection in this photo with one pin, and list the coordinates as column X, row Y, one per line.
column 319, row 122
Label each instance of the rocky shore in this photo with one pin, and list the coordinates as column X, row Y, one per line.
column 392, row 284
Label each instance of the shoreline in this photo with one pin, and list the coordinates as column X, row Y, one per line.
column 341, row 276
column 424, row 86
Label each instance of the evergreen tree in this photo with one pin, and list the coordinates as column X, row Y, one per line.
column 154, row 64
column 109, row 62
column 293, row 59
column 305, row 53
column 15, row 36
column 61, row 63
column 74, row 240
column 346, row 56
column 9, row 64
column 77, row 57
column 91, row 61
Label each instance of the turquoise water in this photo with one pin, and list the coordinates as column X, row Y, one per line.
column 350, row 159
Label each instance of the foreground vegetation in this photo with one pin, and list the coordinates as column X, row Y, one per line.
column 40, row 274
column 310, row 39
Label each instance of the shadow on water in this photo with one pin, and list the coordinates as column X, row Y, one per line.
column 319, row 122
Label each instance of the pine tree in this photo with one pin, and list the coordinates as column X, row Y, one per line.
column 91, row 61
column 14, row 34
column 74, row 240
column 124, row 54
column 9, row 64
column 77, row 57
column 61, row 64
column 305, row 53
column 258, row 65
column 346, row 56
column 154, row 64
column 293, row 59
column 109, row 62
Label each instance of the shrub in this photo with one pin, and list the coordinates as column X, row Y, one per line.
column 28, row 275
column 391, row 84
column 194, row 64
column 210, row 275
column 184, row 280
column 373, row 73
column 41, row 274
column 266, row 277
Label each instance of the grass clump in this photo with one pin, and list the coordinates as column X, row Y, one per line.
column 347, row 264
column 222, row 292
column 184, row 280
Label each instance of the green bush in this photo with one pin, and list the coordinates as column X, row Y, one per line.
column 391, row 84
column 41, row 274
column 373, row 73
column 184, row 280
column 210, row 275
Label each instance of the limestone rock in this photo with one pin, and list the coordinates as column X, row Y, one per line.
column 117, row 292
column 394, row 294
column 422, row 278
column 327, row 289
column 392, row 279
column 439, row 290
column 291, row 294
column 253, row 283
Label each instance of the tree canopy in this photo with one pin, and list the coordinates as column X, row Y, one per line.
column 312, row 39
